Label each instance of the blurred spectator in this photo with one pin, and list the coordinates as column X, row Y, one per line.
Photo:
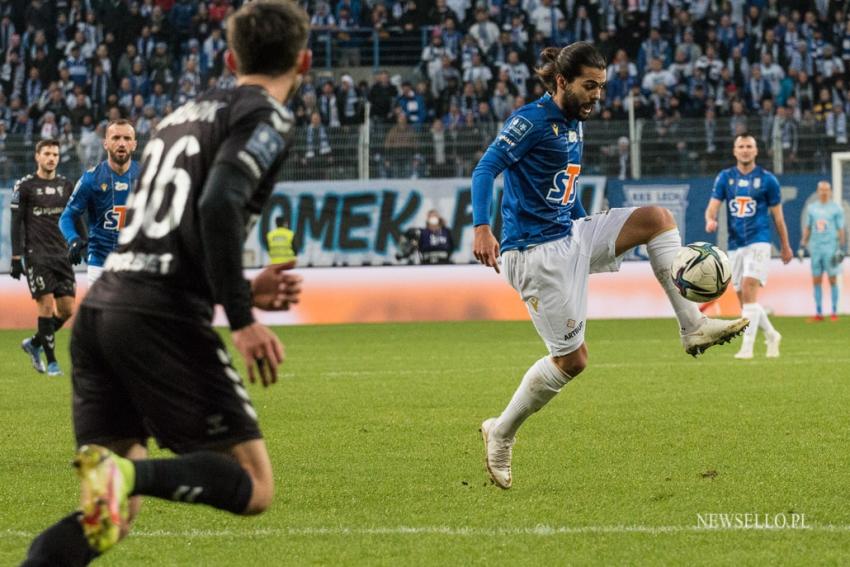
column 484, row 31
column 412, row 105
column 351, row 102
column 382, row 96
column 318, row 154
column 399, row 146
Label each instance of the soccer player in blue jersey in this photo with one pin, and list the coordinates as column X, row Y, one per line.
column 825, row 236
column 101, row 194
column 752, row 197
column 550, row 246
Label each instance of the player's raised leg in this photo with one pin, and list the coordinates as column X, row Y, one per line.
column 656, row 227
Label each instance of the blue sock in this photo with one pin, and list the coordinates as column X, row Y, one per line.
column 819, row 299
column 834, row 292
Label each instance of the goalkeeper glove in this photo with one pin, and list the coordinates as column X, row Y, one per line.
column 77, row 250
column 838, row 257
column 17, row 268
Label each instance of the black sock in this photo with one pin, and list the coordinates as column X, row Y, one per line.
column 203, row 478
column 35, row 340
column 57, row 323
column 45, row 333
column 61, row 545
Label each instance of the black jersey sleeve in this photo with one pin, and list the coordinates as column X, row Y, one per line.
column 257, row 142
column 221, row 212
column 19, row 207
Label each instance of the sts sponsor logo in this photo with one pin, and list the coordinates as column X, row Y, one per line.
column 563, row 185
column 742, row 207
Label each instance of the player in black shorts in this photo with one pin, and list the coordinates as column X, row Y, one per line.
column 147, row 362
column 39, row 251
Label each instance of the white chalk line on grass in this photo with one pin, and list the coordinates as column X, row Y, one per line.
column 540, row 531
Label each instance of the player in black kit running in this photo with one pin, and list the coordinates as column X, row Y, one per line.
column 147, row 362
column 38, row 250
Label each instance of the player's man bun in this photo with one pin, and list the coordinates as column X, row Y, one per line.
column 266, row 36
column 567, row 62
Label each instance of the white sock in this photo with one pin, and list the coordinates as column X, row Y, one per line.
column 764, row 323
column 662, row 250
column 539, row 385
column 751, row 311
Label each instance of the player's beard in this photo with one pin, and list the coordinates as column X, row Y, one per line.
column 118, row 159
column 572, row 106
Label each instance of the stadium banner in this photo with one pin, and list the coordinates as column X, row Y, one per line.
column 356, row 223
column 470, row 292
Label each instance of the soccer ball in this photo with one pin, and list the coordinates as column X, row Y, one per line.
column 701, row 272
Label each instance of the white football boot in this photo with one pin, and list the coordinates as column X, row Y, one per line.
column 497, row 454
column 713, row 332
column 772, row 341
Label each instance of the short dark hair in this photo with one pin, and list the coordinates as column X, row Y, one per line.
column 46, row 143
column 266, row 36
column 280, row 221
column 119, row 122
column 567, row 62
column 745, row 135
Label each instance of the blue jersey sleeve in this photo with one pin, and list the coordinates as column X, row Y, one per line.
column 518, row 136
column 774, row 193
column 810, row 218
column 494, row 162
column 839, row 217
column 719, row 190
column 76, row 206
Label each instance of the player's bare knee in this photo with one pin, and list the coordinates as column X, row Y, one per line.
column 64, row 311
column 262, row 495
column 572, row 364
column 659, row 218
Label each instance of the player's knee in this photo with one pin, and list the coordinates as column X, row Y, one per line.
column 262, row 495
column 661, row 218
column 572, row 364
column 65, row 311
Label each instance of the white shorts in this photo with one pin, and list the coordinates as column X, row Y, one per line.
column 92, row 273
column 551, row 278
column 750, row 261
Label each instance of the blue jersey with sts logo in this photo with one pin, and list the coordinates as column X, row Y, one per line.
column 101, row 194
column 824, row 221
column 540, row 152
column 748, row 199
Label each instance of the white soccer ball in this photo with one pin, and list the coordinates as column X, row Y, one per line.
column 701, row 271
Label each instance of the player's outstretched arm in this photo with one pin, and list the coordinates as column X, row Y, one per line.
column 221, row 212
column 275, row 289
column 17, row 234
column 71, row 216
column 711, row 215
column 485, row 247
column 779, row 220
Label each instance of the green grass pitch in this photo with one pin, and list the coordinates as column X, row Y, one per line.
column 373, row 432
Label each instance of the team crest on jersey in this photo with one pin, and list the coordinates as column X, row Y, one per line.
column 104, row 186
column 572, row 136
column 731, row 182
column 742, row 207
column 756, row 182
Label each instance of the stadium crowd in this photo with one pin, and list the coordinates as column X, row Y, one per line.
column 778, row 69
